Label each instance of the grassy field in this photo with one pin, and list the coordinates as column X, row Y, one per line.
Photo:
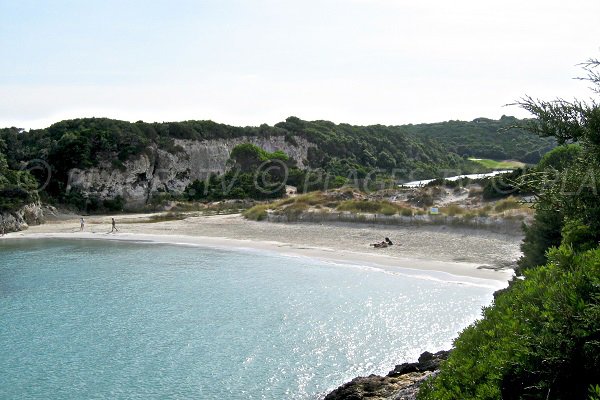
column 493, row 164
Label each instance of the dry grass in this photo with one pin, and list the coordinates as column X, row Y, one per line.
column 162, row 217
column 507, row 204
column 257, row 213
column 452, row 210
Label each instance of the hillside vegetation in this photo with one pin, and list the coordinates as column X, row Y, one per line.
column 342, row 150
column 487, row 138
column 17, row 187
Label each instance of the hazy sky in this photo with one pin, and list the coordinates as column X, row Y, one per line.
column 260, row 61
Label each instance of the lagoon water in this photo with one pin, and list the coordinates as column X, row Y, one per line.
column 115, row 320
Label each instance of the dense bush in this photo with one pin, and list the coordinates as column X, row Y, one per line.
column 504, row 185
column 540, row 339
column 17, row 188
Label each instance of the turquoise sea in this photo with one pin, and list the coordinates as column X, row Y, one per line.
column 115, row 320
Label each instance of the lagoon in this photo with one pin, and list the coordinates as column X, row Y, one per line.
column 100, row 319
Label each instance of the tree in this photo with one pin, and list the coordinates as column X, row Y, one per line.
column 541, row 337
column 567, row 184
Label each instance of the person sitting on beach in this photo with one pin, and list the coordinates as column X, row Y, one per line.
column 385, row 243
column 380, row 245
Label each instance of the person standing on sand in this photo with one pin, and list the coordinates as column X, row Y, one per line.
column 114, row 228
column 81, row 220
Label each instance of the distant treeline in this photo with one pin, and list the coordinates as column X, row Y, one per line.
column 487, row 138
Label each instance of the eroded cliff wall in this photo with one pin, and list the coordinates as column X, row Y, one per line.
column 13, row 221
column 157, row 170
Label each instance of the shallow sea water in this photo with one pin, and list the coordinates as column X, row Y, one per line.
column 115, row 320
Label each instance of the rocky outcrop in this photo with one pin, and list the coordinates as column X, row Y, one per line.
column 402, row 383
column 157, row 170
column 14, row 221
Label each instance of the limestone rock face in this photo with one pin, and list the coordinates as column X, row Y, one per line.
column 14, row 221
column 157, row 170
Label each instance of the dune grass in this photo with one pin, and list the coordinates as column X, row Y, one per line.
column 374, row 207
column 256, row 213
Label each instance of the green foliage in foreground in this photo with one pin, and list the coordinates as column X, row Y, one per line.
column 540, row 339
column 567, row 180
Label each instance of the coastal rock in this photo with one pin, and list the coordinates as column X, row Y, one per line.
column 402, row 383
column 14, row 221
column 375, row 387
column 427, row 362
column 157, row 170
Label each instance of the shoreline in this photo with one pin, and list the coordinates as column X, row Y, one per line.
column 284, row 241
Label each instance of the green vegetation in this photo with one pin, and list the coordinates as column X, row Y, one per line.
column 541, row 337
column 502, row 139
column 256, row 174
column 560, row 158
column 498, row 165
column 507, row 204
column 452, row 210
column 17, row 188
column 256, row 213
column 341, row 153
column 538, row 341
column 505, row 185
column 372, row 207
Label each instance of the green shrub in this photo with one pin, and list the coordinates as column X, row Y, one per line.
column 366, row 206
column 452, row 210
column 388, row 209
column 469, row 216
column 406, row 212
column 539, row 340
column 256, row 213
column 115, row 204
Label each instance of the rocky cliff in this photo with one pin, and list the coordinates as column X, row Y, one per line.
column 157, row 170
column 402, row 383
column 18, row 220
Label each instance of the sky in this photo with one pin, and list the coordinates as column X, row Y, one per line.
column 248, row 62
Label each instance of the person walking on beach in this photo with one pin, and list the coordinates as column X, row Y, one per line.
column 82, row 222
column 114, row 228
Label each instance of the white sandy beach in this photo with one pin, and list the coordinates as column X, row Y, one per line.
column 459, row 252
